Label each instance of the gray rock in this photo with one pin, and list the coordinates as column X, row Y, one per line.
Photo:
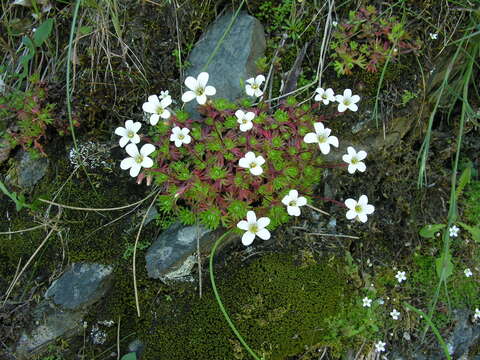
column 235, row 58
column 171, row 254
column 51, row 323
column 31, row 170
column 81, row 286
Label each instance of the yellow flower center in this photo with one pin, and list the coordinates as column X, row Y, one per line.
column 159, row 110
column 322, row 139
column 244, row 121
column 254, row 86
column 253, row 228
column 346, row 102
column 252, row 165
column 292, row 203
column 324, row 96
column 354, row 161
column 199, row 91
column 139, row 159
column 130, row 134
column 181, row 136
column 358, row 208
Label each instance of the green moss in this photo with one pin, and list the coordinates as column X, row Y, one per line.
column 472, row 203
column 279, row 303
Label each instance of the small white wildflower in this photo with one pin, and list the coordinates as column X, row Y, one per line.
column 180, row 136
column 395, row 314
column 252, row 162
column 322, row 137
column 157, row 107
column 245, row 119
column 334, row 23
column 454, row 231
column 476, row 316
column 128, row 133
column 401, row 276
column 380, row 301
column 198, row 89
column 293, row 202
column 380, row 346
column 433, row 36
column 325, row 96
column 137, row 159
column 367, row 302
column 468, row 272
column 347, row 101
column 252, row 88
column 354, row 160
column 359, row 209
column 254, row 227
column 164, row 95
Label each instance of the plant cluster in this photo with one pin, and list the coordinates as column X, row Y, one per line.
column 30, row 115
column 238, row 158
column 366, row 39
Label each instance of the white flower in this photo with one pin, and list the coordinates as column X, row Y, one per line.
column 359, row 209
column 367, row 302
column 380, row 346
column 347, row 101
column 128, row 133
column 157, row 107
column 433, row 36
column 453, row 231
column 254, row 227
column 354, row 160
column 401, row 276
column 245, row 119
column 252, row 162
column 198, row 89
column 468, row 272
column 164, row 94
column 180, row 136
column 252, row 88
column 293, row 202
column 477, row 314
column 137, row 159
column 395, row 314
column 334, row 23
column 322, row 137
column 324, row 96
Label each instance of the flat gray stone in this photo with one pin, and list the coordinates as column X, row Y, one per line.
column 171, row 254
column 234, row 61
column 81, row 286
column 31, row 170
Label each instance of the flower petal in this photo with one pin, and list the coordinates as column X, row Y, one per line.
column 210, row 90
column 341, row 107
column 324, row 148
column 319, row 128
column 311, row 138
column 147, row 149
column 363, row 200
column 165, row 114
column 293, row 194
column 243, row 225
column 353, row 107
column 350, row 203
column 286, row 200
column 135, row 139
column 154, row 119
column 301, row 201
column 120, row 131
column 361, row 167
column 132, row 150
column 248, row 238
column 263, row 234
column 249, row 90
column 250, row 116
column 244, row 163
column 202, row 79
column 136, row 126
column 362, row 218
column 260, row 79
column 260, row 160
column 369, row 209
column 257, row 170
column 127, row 163
column 250, row 156
column 187, row 139
column 147, row 162
column 135, row 169
column 150, row 107
column 239, row 114
column 293, row 210
column 361, row 155
column 251, row 217
column 123, row 141
column 333, row 140
column 201, row 99
column 351, row 214
column 191, row 83
column 166, row 102
column 352, row 168
column 347, row 93
column 188, row 96
column 355, row 98
column 347, row 158
column 263, row 222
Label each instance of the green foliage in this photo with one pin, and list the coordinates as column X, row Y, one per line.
column 18, row 199
column 429, row 231
column 129, row 356
column 367, row 39
column 211, row 218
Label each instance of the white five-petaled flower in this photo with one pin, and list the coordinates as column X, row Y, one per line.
column 293, row 202
column 252, row 88
column 254, row 227
column 252, row 162
column 454, row 231
column 359, row 209
column 322, row 137
column 380, row 346
column 198, row 89
column 367, row 302
column 401, row 276
column 137, row 159
column 354, row 160
column 468, row 272
column 334, row 23
column 395, row 314
column 347, row 101
column 164, row 94
column 157, row 107
column 128, row 133
column 325, row 96
column 433, row 36
column 180, row 136
column 477, row 314
column 245, row 119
